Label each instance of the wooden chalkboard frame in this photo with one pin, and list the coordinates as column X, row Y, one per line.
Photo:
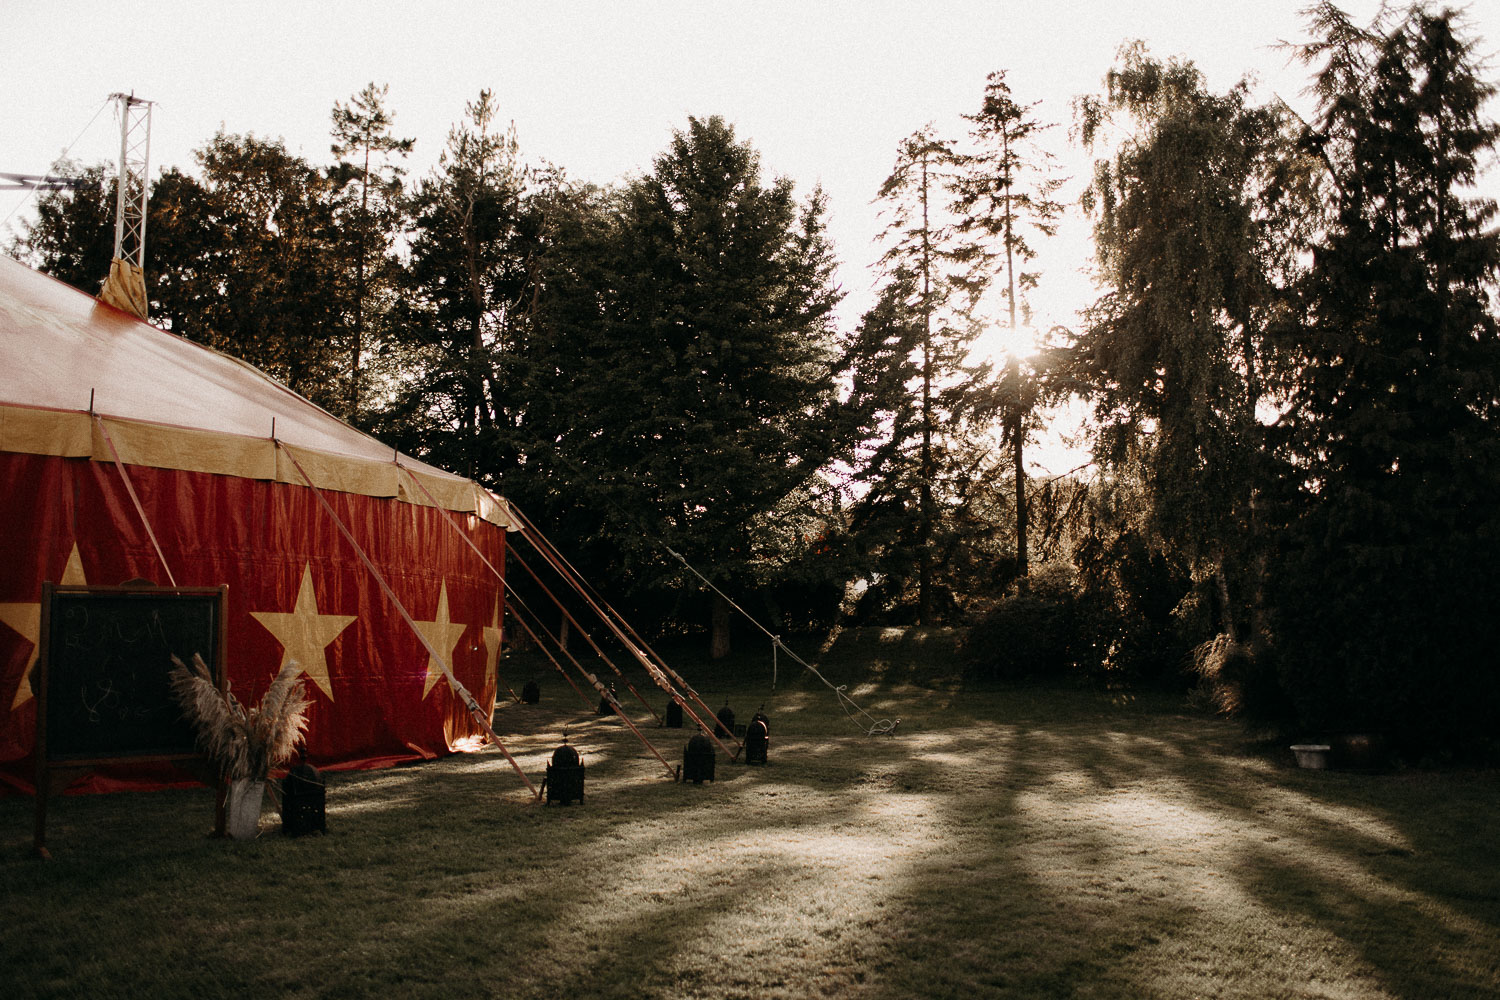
column 53, row 766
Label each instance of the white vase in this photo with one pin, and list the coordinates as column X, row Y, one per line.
column 245, row 796
column 1313, row 755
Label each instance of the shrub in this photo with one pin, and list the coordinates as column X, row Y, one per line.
column 1044, row 630
column 1239, row 681
column 1055, row 632
column 1392, row 637
column 1141, row 651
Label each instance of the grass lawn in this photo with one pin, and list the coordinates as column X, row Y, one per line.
column 1004, row 842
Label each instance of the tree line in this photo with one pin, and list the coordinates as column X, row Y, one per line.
column 1291, row 368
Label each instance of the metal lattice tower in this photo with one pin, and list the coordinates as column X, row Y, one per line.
column 135, row 153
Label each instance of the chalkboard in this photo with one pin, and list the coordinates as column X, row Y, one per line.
column 105, row 690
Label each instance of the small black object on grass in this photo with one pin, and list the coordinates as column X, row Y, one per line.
column 674, row 715
column 725, row 724
column 303, row 800
column 564, row 780
column 757, row 739
column 698, row 760
column 531, row 694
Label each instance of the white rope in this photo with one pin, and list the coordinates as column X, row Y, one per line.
column 876, row 727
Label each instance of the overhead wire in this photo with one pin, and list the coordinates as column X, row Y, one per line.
column 60, row 158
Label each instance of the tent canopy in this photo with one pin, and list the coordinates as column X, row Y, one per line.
column 169, row 403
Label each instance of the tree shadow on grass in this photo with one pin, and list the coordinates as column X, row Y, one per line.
column 1380, row 920
column 1007, row 844
column 1098, row 851
column 1145, row 846
column 630, row 896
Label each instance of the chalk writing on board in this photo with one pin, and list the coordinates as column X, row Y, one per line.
column 109, row 661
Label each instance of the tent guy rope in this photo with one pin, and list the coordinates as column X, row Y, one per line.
column 509, row 588
column 658, row 671
column 871, row 726
column 611, row 617
column 655, row 666
column 130, row 488
column 598, row 651
column 598, row 686
column 458, row 689
column 875, row 727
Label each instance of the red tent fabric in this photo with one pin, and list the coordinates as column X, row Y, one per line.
column 94, row 403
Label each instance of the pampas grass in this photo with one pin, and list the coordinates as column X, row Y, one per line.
column 278, row 724
column 243, row 744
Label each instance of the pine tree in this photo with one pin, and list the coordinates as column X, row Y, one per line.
column 466, row 299
column 926, row 271
column 1006, row 194
column 368, row 180
column 688, row 373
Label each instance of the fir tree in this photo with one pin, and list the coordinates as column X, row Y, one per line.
column 466, row 299
column 926, row 270
column 1387, row 587
column 688, row 371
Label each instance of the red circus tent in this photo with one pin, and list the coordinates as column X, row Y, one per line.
column 230, row 472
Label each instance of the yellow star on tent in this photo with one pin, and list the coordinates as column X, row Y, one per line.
column 492, row 646
column 442, row 635
column 27, row 620
column 304, row 634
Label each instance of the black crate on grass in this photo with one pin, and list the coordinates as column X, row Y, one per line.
column 303, row 800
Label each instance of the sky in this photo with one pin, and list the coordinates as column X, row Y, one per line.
column 823, row 89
